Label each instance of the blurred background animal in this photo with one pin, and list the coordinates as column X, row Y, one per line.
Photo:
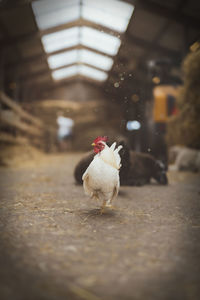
column 137, row 168
column 184, row 159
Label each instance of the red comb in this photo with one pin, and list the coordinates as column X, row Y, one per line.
column 101, row 138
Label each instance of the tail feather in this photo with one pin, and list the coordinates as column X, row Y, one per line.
column 117, row 156
column 86, row 185
column 112, row 147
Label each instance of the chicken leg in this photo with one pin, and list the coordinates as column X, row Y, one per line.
column 103, row 207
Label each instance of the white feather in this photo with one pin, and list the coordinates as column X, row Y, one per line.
column 101, row 179
column 112, row 147
column 117, row 156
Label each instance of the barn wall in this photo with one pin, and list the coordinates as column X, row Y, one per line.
column 76, row 91
column 93, row 113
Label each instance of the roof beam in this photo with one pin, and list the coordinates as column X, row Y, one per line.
column 13, row 41
column 150, row 46
column 53, row 83
column 32, row 76
column 36, row 58
column 164, row 11
column 10, row 42
column 79, row 23
column 66, row 81
column 180, row 5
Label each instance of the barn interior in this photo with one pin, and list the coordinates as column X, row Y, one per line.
column 73, row 70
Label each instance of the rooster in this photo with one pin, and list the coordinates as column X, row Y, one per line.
column 137, row 168
column 101, row 178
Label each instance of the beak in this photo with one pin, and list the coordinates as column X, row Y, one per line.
column 93, row 144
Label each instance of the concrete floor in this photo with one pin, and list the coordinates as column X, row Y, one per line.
column 56, row 246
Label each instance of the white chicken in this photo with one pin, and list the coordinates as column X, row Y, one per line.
column 101, row 178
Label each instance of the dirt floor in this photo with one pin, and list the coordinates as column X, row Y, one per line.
column 55, row 245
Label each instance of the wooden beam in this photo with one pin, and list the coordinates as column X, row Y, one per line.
column 79, row 23
column 11, row 42
column 17, row 108
column 180, row 5
column 65, row 81
column 22, row 62
column 30, row 129
column 31, row 77
column 164, row 11
column 44, row 56
column 8, row 138
column 78, row 47
column 168, row 22
column 150, row 46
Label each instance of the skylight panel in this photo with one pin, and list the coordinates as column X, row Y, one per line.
column 61, row 39
column 113, row 14
column 97, row 60
column 79, row 69
column 65, row 72
column 53, row 13
column 99, row 40
column 42, row 7
column 121, row 8
column 92, row 73
column 62, row 59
